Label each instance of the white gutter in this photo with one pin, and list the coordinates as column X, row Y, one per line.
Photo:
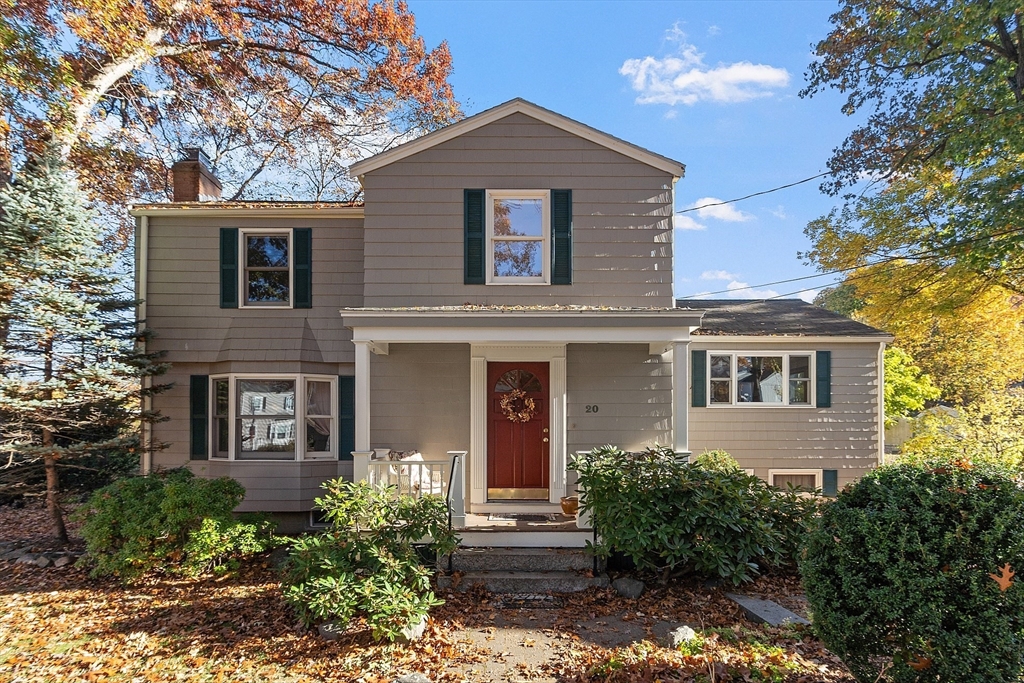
column 141, row 293
column 212, row 209
column 699, row 340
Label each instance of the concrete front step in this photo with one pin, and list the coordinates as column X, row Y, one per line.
column 524, row 582
column 519, row 560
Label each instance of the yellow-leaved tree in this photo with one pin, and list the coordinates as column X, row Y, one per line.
column 964, row 331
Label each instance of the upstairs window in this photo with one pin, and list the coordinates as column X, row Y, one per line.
column 764, row 379
column 518, row 236
column 267, row 268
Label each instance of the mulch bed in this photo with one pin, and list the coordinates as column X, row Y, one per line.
column 60, row 624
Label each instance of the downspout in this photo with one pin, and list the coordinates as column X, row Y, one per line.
column 141, row 294
column 881, row 403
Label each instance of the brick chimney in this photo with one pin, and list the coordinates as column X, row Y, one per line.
column 193, row 180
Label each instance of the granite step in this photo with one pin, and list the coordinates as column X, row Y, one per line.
column 519, row 560
column 523, row 582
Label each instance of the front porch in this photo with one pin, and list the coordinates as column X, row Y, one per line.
column 446, row 477
column 495, row 400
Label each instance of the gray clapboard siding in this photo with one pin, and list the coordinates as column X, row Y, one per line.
column 622, row 213
column 419, row 398
column 183, row 306
column 843, row 437
column 633, row 392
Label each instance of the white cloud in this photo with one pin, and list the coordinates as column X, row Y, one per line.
column 808, row 295
column 683, row 78
column 722, row 212
column 671, row 114
column 742, row 290
column 779, row 212
column 686, row 223
column 717, row 275
column 714, row 30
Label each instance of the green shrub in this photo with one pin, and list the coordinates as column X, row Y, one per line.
column 717, row 461
column 671, row 516
column 366, row 563
column 898, row 574
column 169, row 520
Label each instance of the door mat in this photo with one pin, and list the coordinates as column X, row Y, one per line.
column 518, row 517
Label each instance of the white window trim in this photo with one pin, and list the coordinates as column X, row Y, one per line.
column 299, row 415
column 545, row 240
column 818, row 474
column 242, row 260
column 734, row 393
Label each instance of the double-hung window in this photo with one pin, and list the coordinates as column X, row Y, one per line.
column 281, row 417
column 518, row 236
column 266, row 273
column 760, row 379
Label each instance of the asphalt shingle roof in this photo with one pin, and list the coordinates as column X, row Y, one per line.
column 774, row 317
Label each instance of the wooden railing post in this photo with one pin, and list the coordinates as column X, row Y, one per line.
column 582, row 516
column 457, row 487
column 361, row 465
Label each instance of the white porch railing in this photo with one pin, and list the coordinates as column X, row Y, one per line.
column 418, row 478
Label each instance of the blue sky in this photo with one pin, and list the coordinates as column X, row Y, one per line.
column 711, row 84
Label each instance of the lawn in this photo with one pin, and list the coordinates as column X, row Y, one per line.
column 60, row 625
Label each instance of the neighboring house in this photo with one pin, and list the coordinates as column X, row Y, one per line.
column 504, row 290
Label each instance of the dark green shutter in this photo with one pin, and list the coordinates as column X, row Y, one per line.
column 346, row 416
column 830, row 482
column 198, row 408
column 823, row 376
column 561, row 237
column 699, row 378
column 302, row 267
column 473, row 215
column 229, row 267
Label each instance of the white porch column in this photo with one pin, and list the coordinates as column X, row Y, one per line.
column 559, row 439
column 362, row 395
column 478, row 429
column 680, row 396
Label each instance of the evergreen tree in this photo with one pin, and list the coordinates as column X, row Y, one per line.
column 70, row 353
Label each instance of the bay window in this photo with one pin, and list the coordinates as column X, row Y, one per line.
column 280, row 417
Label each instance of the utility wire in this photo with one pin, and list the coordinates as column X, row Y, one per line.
column 756, row 194
column 924, row 255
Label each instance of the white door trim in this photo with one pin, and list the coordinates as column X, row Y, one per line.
column 480, row 355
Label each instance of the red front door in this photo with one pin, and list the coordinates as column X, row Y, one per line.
column 518, row 434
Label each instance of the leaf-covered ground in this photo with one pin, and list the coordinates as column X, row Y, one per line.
column 60, row 625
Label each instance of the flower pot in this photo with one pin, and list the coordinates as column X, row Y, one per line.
column 570, row 504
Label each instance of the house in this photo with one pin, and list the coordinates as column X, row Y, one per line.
column 500, row 300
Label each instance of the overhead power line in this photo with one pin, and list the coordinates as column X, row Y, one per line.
column 923, row 255
column 756, row 194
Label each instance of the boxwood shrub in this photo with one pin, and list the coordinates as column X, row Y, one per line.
column 709, row 517
column 903, row 574
column 169, row 520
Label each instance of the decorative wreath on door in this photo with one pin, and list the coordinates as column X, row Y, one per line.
column 517, row 406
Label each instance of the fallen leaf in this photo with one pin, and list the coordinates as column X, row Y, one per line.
column 1004, row 578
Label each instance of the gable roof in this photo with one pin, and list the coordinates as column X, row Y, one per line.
column 520, row 106
column 774, row 317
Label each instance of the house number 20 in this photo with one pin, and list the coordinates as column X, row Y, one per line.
column 592, row 409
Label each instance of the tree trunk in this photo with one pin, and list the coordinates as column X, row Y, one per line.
column 52, row 489
column 50, row 458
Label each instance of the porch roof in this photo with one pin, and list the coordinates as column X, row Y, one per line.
column 521, row 324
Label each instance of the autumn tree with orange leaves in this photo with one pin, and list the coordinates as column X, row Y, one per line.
column 119, row 86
